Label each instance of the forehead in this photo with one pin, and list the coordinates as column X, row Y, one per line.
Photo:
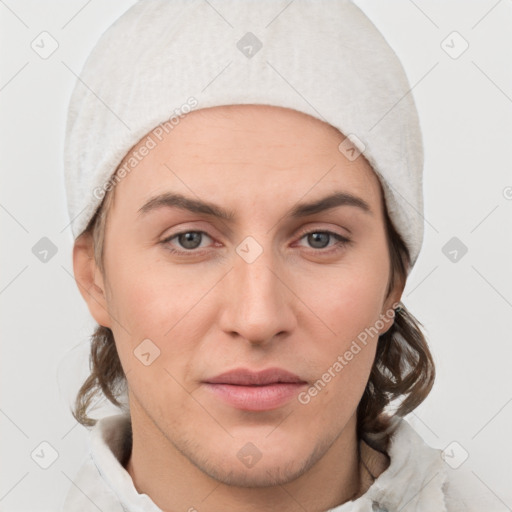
column 246, row 127
column 244, row 149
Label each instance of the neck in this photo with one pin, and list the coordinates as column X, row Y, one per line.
column 159, row 470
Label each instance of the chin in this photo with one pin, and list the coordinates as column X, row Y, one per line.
column 248, row 467
column 263, row 474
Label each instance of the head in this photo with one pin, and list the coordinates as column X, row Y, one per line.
column 312, row 290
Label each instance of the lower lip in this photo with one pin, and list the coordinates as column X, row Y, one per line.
column 256, row 398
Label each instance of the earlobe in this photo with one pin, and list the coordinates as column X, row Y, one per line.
column 89, row 279
column 391, row 304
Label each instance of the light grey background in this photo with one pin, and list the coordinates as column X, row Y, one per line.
column 465, row 107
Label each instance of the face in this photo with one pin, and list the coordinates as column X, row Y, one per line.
column 241, row 335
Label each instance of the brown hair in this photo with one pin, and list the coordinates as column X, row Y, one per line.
column 403, row 369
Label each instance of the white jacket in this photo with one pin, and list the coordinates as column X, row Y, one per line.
column 417, row 479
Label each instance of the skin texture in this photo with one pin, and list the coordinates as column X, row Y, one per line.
column 298, row 306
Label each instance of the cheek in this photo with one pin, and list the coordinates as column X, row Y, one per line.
column 349, row 306
column 150, row 295
column 348, row 299
column 343, row 356
column 153, row 339
column 162, row 303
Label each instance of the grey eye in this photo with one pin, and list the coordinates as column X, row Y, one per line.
column 318, row 240
column 190, row 239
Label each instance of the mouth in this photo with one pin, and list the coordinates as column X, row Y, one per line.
column 255, row 391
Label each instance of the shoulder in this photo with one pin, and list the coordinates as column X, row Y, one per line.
column 101, row 482
column 87, row 491
column 418, row 478
column 465, row 492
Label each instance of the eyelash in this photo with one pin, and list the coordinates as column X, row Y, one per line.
column 340, row 244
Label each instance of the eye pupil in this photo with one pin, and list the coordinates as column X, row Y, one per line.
column 318, row 240
column 190, row 240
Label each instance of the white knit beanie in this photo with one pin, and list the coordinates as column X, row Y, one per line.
column 325, row 58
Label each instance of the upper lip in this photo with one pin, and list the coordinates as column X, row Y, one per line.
column 245, row 377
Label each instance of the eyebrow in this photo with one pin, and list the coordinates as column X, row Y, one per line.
column 174, row 200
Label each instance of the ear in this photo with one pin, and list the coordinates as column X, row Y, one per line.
column 89, row 279
column 390, row 304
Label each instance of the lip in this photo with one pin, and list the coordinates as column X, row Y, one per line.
column 255, row 391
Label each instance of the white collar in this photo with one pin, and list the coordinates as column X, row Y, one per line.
column 413, row 481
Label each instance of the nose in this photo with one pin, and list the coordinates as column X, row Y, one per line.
column 259, row 302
